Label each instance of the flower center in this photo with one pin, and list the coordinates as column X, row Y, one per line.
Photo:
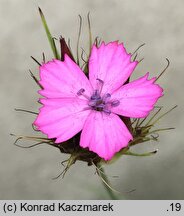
column 97, row 101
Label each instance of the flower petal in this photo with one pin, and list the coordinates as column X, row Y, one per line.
column 62, row 79
column 111, row 64
column 62, row 118
column 104, row 134
column 137, row 98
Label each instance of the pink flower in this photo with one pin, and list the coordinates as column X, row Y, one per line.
column 73, row 103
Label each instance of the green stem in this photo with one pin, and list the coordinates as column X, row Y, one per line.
column 106, row 182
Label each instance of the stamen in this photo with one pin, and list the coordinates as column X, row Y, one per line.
column 96, row 95
column 100, row 85
column 100, row 105
column 92, row 103
column 106, row 111
column 80, row 92
column 106, row 97
column 101, row 81
column 98, row 102
column 115, row 103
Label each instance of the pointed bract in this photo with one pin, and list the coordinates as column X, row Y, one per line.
column 65, row 49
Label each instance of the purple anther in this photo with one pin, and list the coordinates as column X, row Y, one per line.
column 80, row 92
column 100, row 84
column 99, row 102
column 106, row 97
column 115, row 103
column 100, row 105
column 92, row 103
column 96, row 95
column 101, row 81
column 106, row 111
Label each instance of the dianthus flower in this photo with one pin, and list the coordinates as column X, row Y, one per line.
column 72, row 102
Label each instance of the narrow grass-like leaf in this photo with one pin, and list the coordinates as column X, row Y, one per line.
column 36, row 61
column 101, row 173
column 159, row 130
column 33, row 138
column 43, row 55
column 163, row 115
column 78, row 38
column 140, row 60
column 90, row 33
column 135, row 57
column 27, row 111
column 49, row 36
column 150, row 120
column 168, row 63
column 70, row 162
column 35, row 79
column 138, row 48
column 141, row 155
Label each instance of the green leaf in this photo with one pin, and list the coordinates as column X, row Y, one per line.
column 78, row 38
column 49, row 36
column 90, row 33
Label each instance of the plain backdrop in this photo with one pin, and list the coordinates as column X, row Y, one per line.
column 28, row 173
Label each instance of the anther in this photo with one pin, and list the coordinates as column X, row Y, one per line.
column 115, row 103
column 106, row 111
column 100, row 84
column 96, row 95
column 92, row 103
column 80, row 92
column 101, row 81
column 106, row 97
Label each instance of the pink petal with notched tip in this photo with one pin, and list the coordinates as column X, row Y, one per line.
column 104, row 134
column 111, row 64
column 62, row 118
column 62, row 79
column 137, row 98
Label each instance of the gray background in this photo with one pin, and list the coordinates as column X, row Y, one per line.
column 27, row 174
